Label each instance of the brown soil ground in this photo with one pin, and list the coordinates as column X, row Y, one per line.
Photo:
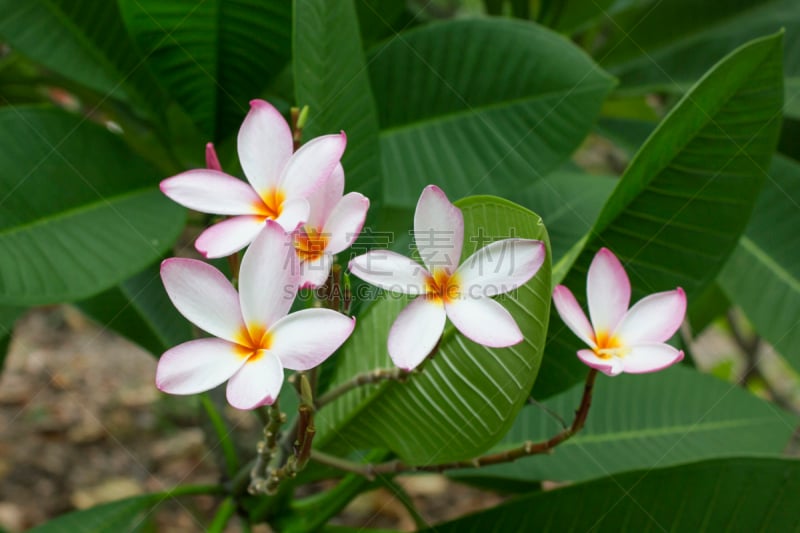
column 81, row 422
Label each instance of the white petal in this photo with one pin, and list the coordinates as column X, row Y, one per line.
column 500, row 267
column 210, row 191
column 197, row 366
column 203, row 295
column 345, row 222
column 650, row 358
column 390, row 271
column 257, row 383
column 229, row 236
column 293, row 214
column 572, row 315
column 653, row 319
column 315, row 273
column 312, row 164
column 265, row 146
column 438, row 230
column 306, row 338
column 610, row 367
column 415, row 332
column 325, row 197
column 268, row 277
column 608, row 291
column 484, row 321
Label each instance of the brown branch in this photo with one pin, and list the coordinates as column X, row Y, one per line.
column 359, row 380
column 528, row 448
column 267, row 449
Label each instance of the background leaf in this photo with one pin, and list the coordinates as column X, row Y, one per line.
column 685, row 198
column 718, row 495
column 86, row 42
column 653, row 420
column 331, row 78
column 466, row 397
column 763, row 274
column 655, row 45
column 140, row 310
column 568, row 202
column 80, row 212
column 120, row 515
column 214, row 56
column 444, row 121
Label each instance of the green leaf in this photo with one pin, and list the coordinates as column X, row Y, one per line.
column 667, row 418
column 81, row 212
column 466, row 397
column 120, row 515
column 214, row 56
column 445, row 121
column 380, row 19
column 655, row 45
column 140, row 310
column 685, row 198
column 330, row 75
column 568, row 202
column 707, row 307
column 763, row 274
column 719, row 495
column 84, row 41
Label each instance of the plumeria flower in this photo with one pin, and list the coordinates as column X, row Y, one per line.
column 445, row 289
column 333, row 224
column 280, row 182
column 254, row 338
column 621, row 339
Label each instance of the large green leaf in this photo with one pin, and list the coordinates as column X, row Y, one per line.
column 80, row 212
column 763, row 274
column 330, row 77
column 120, row 515
column 213, row 56
column 671, row 417
column 140, row 310
column 84, row 41
column 466, row 397
column 655, row 45
column 718, row 495
column 445, row 121
column 684, row 200
column 568, row 202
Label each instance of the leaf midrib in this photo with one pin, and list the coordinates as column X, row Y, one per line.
column 477, row 110
column 106, row 201
column 655, row 137
column 678, row 429
column 762, row 256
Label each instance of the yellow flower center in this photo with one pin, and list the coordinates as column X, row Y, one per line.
column 442, row 286
column 253, row 342
column 310, row 243
column 271, row 204
column 608, row 346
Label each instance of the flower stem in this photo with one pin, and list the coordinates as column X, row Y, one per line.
column 302, row 441
column 397, row 466
column 359, row 380
column 234, row 263
column 267, row 450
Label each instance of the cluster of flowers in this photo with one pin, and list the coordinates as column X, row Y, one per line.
column 294, row 217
